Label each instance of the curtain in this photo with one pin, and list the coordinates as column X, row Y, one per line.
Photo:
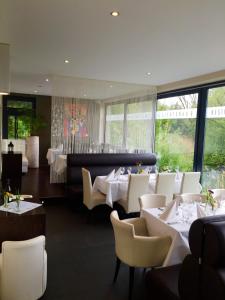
column 75, row 124
column 129, row 124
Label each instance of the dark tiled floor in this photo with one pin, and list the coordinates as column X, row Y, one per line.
column 81, row 257
column 37, row 183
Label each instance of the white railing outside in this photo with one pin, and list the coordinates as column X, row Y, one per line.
column 189, row 113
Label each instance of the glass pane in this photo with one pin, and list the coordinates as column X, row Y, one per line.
column 175, row 132
column 23, row 127
column 114, row 124
column 11, row 127
column 139, row 126
column 19, row 104
column 214, row 151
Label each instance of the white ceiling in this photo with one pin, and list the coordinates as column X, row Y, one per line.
column 172, row 39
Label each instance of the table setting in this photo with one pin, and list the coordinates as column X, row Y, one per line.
column 175, row 220
column 17, row 204
column 115, row 184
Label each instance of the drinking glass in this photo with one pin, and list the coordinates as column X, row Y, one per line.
column 122, row 171
column 129, row 169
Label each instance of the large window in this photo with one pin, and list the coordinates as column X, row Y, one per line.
column 139, row 126
column 214, row 150
column 17, row 117
column 115, row 124
column 190, row 132
column 130, row 125
column 175, row 132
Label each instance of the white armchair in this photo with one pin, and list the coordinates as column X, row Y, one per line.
column 91, row 198
column 190, row 197
column 134, row 246
column 152, row 201
column 23, row 269
column 137, row 186
column 190, row 183
column 165, row 183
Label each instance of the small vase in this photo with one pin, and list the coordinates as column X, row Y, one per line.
column 17, row 205
column 6, row 201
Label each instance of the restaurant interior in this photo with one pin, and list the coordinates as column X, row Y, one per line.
column 112, row 139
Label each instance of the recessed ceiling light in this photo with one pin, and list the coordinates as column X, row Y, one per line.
column 148, row 74
column 115, row 13
column 66, row 61
column 35, row 91
column 110, row 86
column 85, row 95
column 46, row 79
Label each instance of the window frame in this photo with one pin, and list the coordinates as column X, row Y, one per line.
column 6, row 110
column 202, row 91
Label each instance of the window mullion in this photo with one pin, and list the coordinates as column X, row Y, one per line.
column 125, row 126
column 200, row 130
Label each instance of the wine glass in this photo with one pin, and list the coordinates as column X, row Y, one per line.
column 122, row 171
column 149, row 169
column 129, row 169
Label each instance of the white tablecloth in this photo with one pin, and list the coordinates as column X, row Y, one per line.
column 24, row 207
column 60, row 164
column 117, row 189
column 52, row 155
column 177, row 229
column 178, row 232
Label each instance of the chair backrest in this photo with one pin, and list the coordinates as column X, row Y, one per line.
column 165, row 183
column 152, row 201
column 190, row 183
column 23, row 264
column 190, row 198
column 137, row 186
column 123, row 233
column 218, row 194
column 19, row 145
column 87, row 188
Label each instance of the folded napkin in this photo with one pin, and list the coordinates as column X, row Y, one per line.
column 111, row 176
column 200, row 211
column 117, row 174
column 170, row 211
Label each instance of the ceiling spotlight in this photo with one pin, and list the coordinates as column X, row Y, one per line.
column 66, row 61
column 148, row 74
column 35, row 91
column 47, row 80
column 110, row 86
column 85, row 95
column 115, row 13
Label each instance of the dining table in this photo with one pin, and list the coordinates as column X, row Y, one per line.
column 116, row 189
column 177, row 228
column 26, row 223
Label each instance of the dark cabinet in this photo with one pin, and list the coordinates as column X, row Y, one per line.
column 12, row 170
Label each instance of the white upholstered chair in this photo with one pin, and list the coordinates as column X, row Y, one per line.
column 137, row 186
column 190, row 197
column 23, row 269
column 190, row 183
column 218, row 194
column 91, row 198
column 134, row 246
column 152, row 201
column 165, row 183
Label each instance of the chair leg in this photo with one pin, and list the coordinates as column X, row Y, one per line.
column 118, row 262
column 131, row 282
